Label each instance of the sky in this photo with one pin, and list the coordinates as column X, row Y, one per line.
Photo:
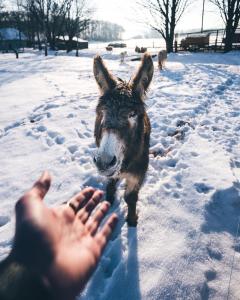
column 125, row 13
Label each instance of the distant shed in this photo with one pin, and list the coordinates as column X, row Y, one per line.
column 62, row 43
column 195, row 41
column 12, row 39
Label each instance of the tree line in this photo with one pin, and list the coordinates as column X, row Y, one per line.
column 45, row 21
column 102, row 31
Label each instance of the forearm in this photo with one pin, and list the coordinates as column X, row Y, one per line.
column 17, row 283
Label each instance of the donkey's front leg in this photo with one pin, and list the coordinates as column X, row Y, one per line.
column 111, row 190
column 133, row 184
column 131, row 200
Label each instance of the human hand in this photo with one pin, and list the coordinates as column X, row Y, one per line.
column 62, row 244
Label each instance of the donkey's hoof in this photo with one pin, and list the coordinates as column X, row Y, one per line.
column 132, row 222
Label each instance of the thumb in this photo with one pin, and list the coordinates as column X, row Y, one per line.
column 41, row 186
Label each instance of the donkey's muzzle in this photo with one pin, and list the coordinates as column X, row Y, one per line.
column 105, row 162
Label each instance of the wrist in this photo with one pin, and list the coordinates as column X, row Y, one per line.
column 19, row 282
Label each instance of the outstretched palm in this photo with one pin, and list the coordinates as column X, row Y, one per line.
column 61, row 243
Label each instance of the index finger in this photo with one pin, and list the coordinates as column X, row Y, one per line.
column 82, row 198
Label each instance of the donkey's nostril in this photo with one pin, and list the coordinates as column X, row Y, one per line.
column 113, row 161
column 94, row 159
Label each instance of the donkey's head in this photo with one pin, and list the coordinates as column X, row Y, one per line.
column 119, row 125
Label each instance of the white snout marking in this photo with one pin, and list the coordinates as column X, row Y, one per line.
column 132, row 121
column 111, row 145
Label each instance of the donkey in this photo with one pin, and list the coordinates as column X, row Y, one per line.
column 122, row 131
column 162, row 57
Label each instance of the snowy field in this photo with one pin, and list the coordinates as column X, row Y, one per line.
column 186, row 244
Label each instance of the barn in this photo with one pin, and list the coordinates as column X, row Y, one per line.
column 76, row 43
column 12, row 39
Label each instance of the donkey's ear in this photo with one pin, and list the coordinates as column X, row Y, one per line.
column 103, row 77
column 143, row 77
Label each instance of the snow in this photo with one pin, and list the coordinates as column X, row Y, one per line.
column 185, row 245
column 65, row 38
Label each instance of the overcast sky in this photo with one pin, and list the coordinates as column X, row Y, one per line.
column 124, row 12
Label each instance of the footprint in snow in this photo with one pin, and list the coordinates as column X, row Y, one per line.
column 237, row 247
column 50, row 106
column 13, row 125
column 72, row 149
column 210, row 275
column 71, row 115
column 55, row 137
column 214, row 253
column 38, row 107
column 49, row 136
column 194, row 154
column 38, row 117
column 202, row 188
column 235, row 164
column 4, row 220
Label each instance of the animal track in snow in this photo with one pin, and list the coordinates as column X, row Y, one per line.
column 214, row 253
column 4, row 220
column 202, row 188
column 210, row 275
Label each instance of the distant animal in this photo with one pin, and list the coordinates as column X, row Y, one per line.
column 143, row 49
column 140, row 50
column 137, row 49
column 109, row 48
column 162, row 57
column 122, row 56
column 117, row 45
column 122, row 131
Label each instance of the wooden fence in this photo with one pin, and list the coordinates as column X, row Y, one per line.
column 208, row 40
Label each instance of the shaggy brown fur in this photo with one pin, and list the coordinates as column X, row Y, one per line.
column 162, row 57
column 120, row 101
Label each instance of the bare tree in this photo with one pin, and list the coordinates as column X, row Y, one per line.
column 39, row 12
column 163, row 17
column 1, row 9
column 77, row 19
column 230, row 13
column 1, row 5
column 49, row 16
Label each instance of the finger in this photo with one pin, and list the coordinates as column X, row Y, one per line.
column 41, row 186
column 37, row 192
column 94, row 222
column 82, row 198
column 85, row 212
column 103, row 235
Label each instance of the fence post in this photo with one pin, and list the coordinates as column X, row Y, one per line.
column 216, row 40
column 175, row 43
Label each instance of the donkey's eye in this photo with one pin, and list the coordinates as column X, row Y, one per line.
column 132, row 114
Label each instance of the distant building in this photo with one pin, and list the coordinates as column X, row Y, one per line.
column 12, row 39
column 62, row 43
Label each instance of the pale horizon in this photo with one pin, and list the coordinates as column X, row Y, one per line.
column 124, row 13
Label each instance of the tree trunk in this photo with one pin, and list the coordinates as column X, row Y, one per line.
column 171, row 40
column 169, row 44
column 77, row 49
column 39, row 41
column 45, row 50
column 229, row 37
column 69, row 44
column 53, row 43
column 46, row 47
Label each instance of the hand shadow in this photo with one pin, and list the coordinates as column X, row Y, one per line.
column 117, row 277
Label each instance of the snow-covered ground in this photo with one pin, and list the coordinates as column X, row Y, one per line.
column 185, row 245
